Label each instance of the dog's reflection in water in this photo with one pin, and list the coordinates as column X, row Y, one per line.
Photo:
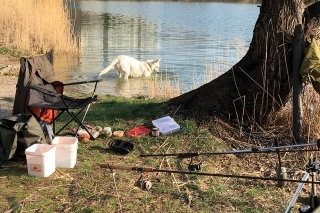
column 133, row 87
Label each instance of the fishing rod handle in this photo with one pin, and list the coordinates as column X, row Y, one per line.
column 130, row 168
column 179, row 155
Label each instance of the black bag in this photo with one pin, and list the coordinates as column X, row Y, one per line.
column 18, row 133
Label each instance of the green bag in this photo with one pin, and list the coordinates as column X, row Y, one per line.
column 310, row 67
column 18, row 133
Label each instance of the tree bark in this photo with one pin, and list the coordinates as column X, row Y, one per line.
column 260, row 83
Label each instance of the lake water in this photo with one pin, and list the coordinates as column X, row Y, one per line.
column 191, row 38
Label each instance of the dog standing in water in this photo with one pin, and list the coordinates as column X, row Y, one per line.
column 130, row 67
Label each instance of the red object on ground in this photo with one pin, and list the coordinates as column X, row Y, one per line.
column 138, row 131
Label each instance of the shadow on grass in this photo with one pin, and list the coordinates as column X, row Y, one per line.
column 106, row 150
column 14, row 168
column 8, row 99
column 6, row 112
column 123, row 109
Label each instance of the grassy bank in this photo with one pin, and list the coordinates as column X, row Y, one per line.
column 89, row 188
column 33, row 27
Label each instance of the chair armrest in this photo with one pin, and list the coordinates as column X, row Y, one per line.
column 83, row 82
column 45, row 91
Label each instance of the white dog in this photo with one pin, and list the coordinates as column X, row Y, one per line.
column 131, row 67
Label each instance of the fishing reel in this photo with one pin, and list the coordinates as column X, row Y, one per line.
column 194, row 167
column 305, row 209
column 143, row 184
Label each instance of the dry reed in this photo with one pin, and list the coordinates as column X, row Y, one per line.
column 282, row 122
column 168, row 88
column 158, row 88
column 37, row 27
column 311, row 113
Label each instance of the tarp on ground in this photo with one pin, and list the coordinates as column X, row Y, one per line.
column 17, row 133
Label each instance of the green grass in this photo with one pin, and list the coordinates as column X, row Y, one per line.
column 13, row 52
column 89, row 188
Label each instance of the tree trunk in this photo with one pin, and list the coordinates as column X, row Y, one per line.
column 260, row 83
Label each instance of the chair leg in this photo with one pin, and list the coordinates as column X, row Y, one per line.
column 54, row 123
column 82, row 125
column 76, row 119
column 73, row 116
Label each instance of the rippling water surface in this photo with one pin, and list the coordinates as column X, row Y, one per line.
column 189, row 37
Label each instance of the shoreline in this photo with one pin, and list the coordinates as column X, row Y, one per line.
column 7, row 94
column 9, row 70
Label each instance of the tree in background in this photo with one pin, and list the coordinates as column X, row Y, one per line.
column 261, row 82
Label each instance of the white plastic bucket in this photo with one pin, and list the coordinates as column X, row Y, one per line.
column 41, row 160
column 66, row 151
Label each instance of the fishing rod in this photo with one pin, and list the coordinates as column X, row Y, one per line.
column 281, row 171
column 152, row 169
column 276, row 149
column 313, row 168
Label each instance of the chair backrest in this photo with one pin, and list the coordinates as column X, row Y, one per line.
column 38, row 102
column 33, row 70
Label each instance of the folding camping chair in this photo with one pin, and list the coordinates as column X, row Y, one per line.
column 45, row 98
